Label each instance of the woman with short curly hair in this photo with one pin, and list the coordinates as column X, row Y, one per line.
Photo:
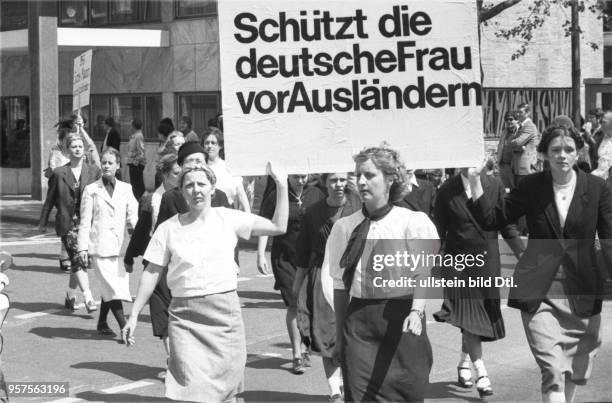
column 381, row 338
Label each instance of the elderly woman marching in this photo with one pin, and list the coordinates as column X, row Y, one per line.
column 206, row 332
column 108, row 205
column 383, row 345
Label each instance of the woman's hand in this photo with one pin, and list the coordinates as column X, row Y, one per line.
column 262, row 264
column 127, row 333
column 412, row 324
column 279, row 176
column 83, row 256
column 78, row 122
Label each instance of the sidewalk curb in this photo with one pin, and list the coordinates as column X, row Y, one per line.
column 10, row 218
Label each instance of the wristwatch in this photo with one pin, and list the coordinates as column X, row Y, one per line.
column 419, row 312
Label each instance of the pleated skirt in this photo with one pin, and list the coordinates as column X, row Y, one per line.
column 466, row 309
column 379, row 361
column 207, row 348
column 562, row 343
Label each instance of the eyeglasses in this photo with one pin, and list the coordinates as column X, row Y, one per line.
column 510, row 120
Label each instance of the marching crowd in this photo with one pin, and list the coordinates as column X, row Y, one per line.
column 554, row 186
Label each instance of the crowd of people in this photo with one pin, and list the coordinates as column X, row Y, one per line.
column 554, row 187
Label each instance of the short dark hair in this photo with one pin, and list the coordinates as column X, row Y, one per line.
column 524, row 106
column 137, row 124
column 187, row 121
column 557, row 131
column 165, row 127
column 112, row 151
column 597, row 112
column 510, row 114
column 110, row 121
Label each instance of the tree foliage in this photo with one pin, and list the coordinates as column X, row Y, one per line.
column 538, row 12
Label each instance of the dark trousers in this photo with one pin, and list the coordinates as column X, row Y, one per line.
column 137, row 180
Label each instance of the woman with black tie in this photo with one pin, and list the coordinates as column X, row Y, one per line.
column 557, row 285
column 381, row 338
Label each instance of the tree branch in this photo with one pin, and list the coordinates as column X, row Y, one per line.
column 487, row 14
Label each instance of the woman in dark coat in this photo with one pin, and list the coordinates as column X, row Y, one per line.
column 301, row 197
column 316, row 319
column 557, row 284
column 475, row 310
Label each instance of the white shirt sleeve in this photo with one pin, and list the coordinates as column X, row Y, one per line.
column 239, row 220
column 158, row 251
column 334, row 249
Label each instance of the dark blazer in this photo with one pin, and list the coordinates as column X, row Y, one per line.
column 460, row 231
column 61, row 194
column 113, row 140
column 421, row 198
column 549, row 246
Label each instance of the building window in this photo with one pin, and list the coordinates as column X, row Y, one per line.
column 195, row 8
column 65, row 110
column 72, row 13
column 607, row 15
column 200, row 107
column 107, row 12
column 123, row 108
column 607, row 61
column 15, row 132
column 14, row 15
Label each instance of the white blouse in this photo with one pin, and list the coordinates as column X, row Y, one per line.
column 604, row 160
column 225, row 181
column 563, row 197
column 399, row 224
column 200, row 256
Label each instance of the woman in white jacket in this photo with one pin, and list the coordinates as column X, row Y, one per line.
column 107, row 206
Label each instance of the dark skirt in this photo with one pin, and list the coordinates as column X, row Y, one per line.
column 70, row 242
column 379, row 361
column 284, row 274
column 481, row 317
column 158, row 306
column 315, row 317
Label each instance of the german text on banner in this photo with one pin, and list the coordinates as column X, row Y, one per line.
column 81, row 82
column 308, row 84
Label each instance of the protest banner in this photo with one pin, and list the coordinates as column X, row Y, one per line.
column 310, row 83
column 81, row 80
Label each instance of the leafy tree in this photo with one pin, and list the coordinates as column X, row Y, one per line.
column 539, row 10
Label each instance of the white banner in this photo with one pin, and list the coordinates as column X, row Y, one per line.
column 81, row 80
column 308, row 84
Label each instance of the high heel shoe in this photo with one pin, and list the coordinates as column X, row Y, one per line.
column 464, row 377
column 483, row 385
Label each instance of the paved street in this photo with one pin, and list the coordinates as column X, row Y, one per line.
column 44, row 342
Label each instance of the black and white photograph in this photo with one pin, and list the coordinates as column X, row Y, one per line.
column 306, row 201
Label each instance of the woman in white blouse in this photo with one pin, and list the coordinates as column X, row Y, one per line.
column 230, row 185
column 206, row 332
column 381, row 338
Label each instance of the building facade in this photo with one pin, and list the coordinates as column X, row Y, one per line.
column 177, row 74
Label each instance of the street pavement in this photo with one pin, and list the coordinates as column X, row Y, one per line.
column 46, row 343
